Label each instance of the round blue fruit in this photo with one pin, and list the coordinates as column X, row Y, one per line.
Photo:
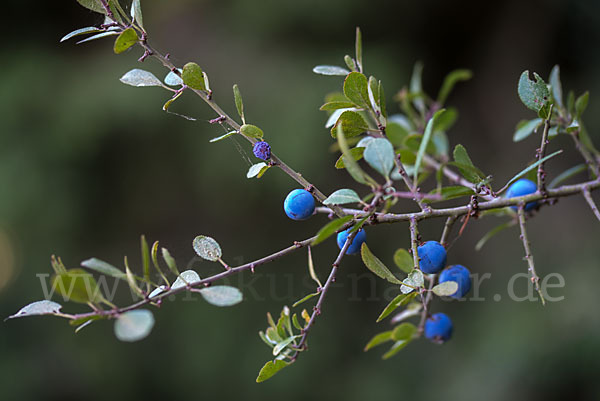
column 438, row 328
column 461, row 276
column 361, row 236
column 299, row 204
column 520, row 188
column 262, row 150
column 432, row 257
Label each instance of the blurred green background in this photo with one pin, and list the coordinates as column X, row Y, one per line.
column 88, row 164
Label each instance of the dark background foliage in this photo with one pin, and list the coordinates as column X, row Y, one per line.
column 87, row 164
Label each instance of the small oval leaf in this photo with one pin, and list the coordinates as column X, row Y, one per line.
column 207, row 248
column 342, row 197
column 37, row 308
column 330, row 70
column 134, row 325
column 222, row 295
column 125, row 40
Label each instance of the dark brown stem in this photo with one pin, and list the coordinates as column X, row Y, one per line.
column 541, row 174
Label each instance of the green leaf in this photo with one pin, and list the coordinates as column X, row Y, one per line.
column 379, row 339
column 407, row 157
column 81, row 31
column 396, row 133
column 207, row 248
column 356, row 153
column 531, row 167
column 445, row 289
column 185, row 278
column 134, row 325
column 405, row 331
column 103, row 268
column 352, row 123
column 169, row 261
column 414, row 280
column 376, row 266
column 350, row 62
column 304, row 299
column 355, row 89
column 98, row 36
column 585, row 139
column 351, row 166
column 446, row 120
column 145, row 258
column 450, row 81
column 77, row 285
column 565, row 175
column 94, row 5
column 342, row 197
column 403, row 260
column 397, row 347
column 330, row 228
column 400, row 300
column 225, row 136
column 491, row 233
column 581, row 104
column 533, row 94
column 44, row 307
column 257, row 170
column 271, row 368
column 556, row 85
column 331, row 106
column 170, row 101
column 380, row 155
column 465, row 165
column 330, row 70
column 222, row 295
column 251, row 131
column 193, row 76
column 136, row 13
column 283, row 344
column 358, row 48
column 125, row 40
column 526, row 128
column 425, row 141
column 239, row 103
column 416, row 86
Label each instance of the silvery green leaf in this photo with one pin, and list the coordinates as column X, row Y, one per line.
column 255, row 169
column 138, row 78
column 136, row 13
column 335, row 115
column 103, row 267
column 134, row 325
column 364, row 142
column 207, row 248
column 185, row 278
column 415, row 279
column 81, row 31
column 98, row 36
column 330, row 70
column 221, row 295
column 173, row 79
column 380, row 155
column 341, row 197
column 445, row 289
column 157, row 291
column 38, row 308
column 282, row 345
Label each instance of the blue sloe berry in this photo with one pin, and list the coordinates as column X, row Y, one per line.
column 461, row 276
column 299, row 204
column 262, row 150
column 520, row 188
column 432, row 257
column 438, row 328
column 359, row 238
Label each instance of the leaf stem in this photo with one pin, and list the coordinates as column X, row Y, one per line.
column 541, row 153
column 588, row 197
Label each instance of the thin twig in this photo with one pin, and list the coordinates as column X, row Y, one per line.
column 414, row 241
column 588, row 197
column 535, row 279
column 447, row 229
column 412, row 187
column 202, row 282
column 589, row 159
column 541, row 153
column 317, row 309
column 497, row 203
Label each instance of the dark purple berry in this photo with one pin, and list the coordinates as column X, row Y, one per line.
column 262, row 150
